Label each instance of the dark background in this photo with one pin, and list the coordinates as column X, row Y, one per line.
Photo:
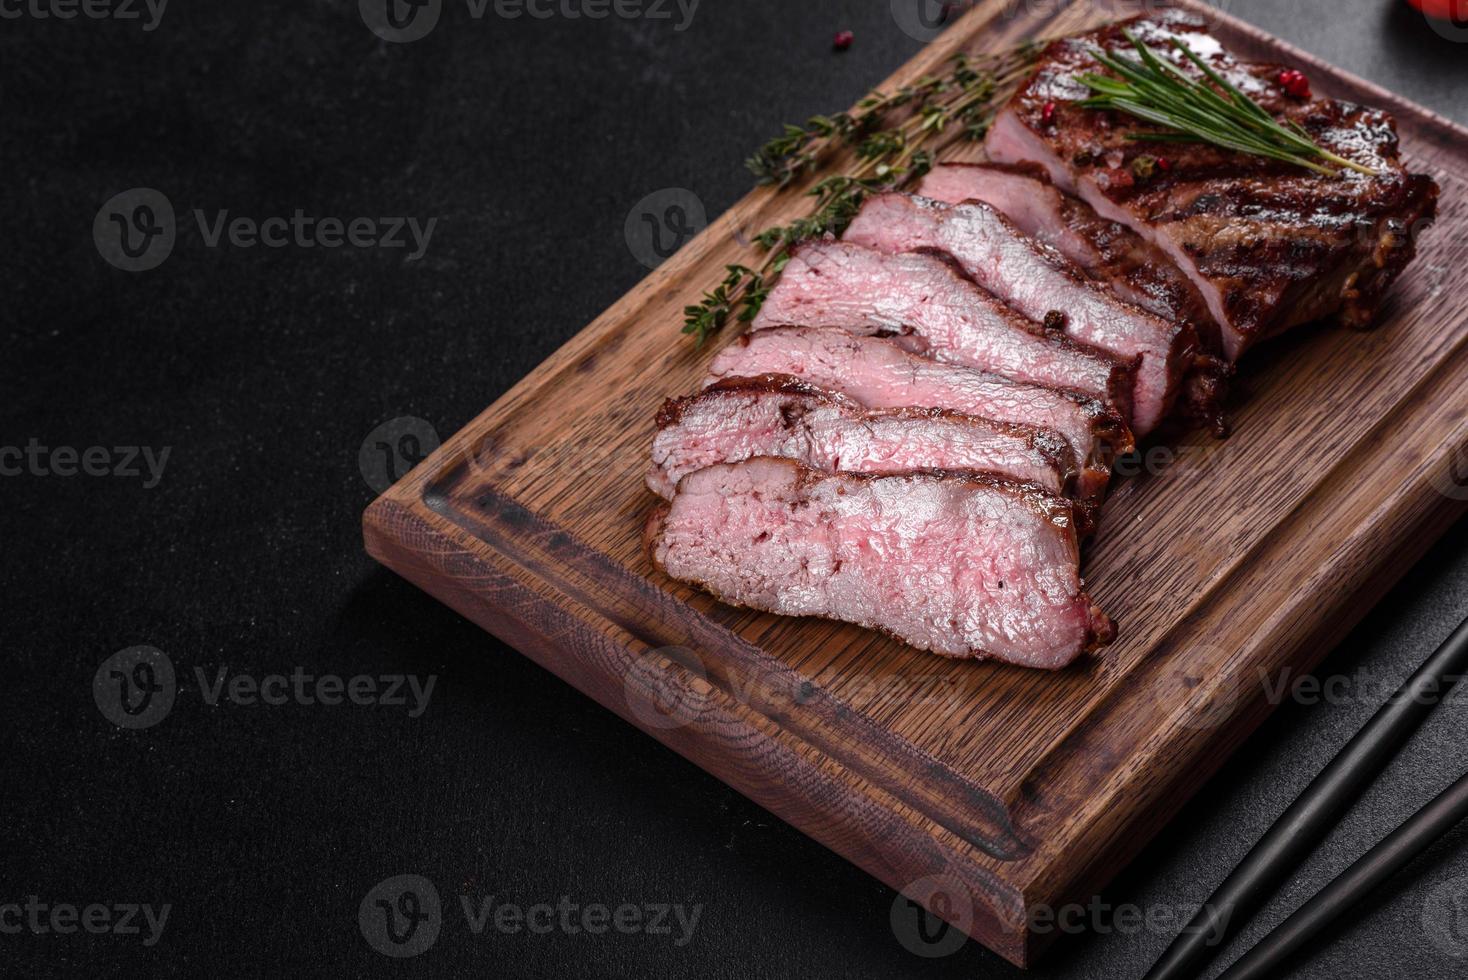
column 264, row 370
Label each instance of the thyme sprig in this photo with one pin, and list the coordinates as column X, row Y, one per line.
column 887, row 156
column 800, row 148
column 743, row 289
column 1189, row 109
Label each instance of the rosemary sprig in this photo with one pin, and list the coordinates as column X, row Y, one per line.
column 1155, row 90
column 965, row 99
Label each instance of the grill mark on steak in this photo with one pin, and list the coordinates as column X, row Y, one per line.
column 917, row 556
column 1268, row 244
column 928, row 297
column 877, row 373
column 1041, row 284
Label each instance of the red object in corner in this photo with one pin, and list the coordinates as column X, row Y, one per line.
column 1453, row 10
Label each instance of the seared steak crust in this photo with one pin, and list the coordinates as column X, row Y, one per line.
column 961, row 565
column 878, row 373
column 1039, row 283
column 1107, row 251
column 779, row 415
column 929, row 297
column 1269, row 245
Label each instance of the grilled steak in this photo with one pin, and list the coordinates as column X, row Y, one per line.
column 778, row 415
column 837, row 284
column 963, row 566
column 1268, row 244
column 1035, row 280
column 1108, row 252
column 878, row 373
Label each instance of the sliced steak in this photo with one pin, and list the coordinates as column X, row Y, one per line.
column 1036, row 281
column 877, row 373
column 838, row 284
column 1111, row 254
column 780, row 415
column 1108, row 252
column 1268, row 244
column 960, row 565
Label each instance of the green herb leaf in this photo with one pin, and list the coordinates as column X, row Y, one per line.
column 888, row 156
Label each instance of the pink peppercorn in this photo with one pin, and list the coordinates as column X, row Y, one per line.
column 843, row 40
column 1295, row 83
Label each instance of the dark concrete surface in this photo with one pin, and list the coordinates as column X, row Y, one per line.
column 262, row 371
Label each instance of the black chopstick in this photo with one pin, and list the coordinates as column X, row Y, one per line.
column 1381, row 862
column 1306, row 822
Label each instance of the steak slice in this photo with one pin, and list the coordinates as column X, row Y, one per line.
column 779, row 415
column 1109, row 252
column 1035, row 280
column 1268, row 244
column 877, row 373
column 838, row 284
column 961, row 565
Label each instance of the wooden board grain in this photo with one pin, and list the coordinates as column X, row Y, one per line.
column 1006, row 790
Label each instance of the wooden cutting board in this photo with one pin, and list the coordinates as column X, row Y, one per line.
column 985, row 792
